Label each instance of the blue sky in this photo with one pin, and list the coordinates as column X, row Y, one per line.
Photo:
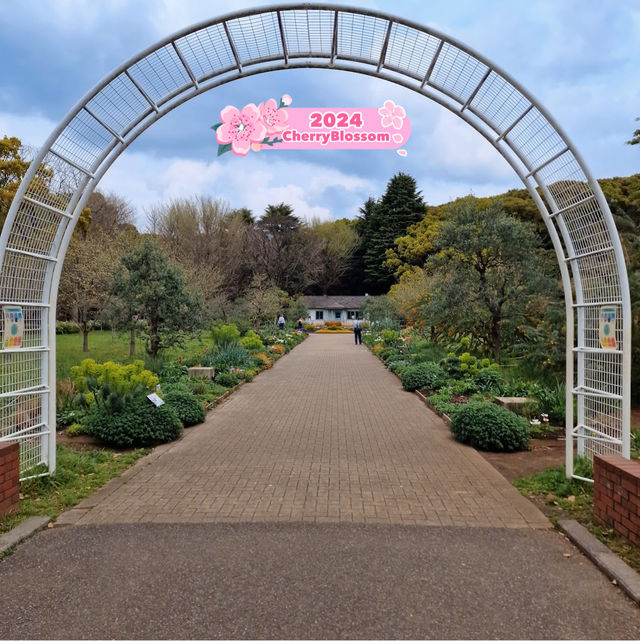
column 581, row 59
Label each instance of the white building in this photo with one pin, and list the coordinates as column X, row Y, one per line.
column 327, row 309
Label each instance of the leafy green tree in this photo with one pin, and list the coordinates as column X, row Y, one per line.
column 285, row 250
column 263, row 301
column 635, row 139
column 84, row 285
column 487, row 269
column 12, row 170
column 400, row 206
column 379, row 310
column 282, row 210
column 155, row 290
column 339, row 240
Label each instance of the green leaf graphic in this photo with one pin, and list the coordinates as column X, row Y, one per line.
column 223, row 149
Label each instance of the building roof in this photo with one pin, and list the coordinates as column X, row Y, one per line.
column 334, row 302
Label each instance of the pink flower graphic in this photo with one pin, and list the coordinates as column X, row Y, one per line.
column 241, row 128
column 392, row 114
column 274, row 119
column 286, row 100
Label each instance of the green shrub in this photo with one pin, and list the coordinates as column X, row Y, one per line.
column 387, row 353
column 490, row 427
column 251, row 342
column 224, row 335
column 227, row 379
column 132, row 420
column 189, row 409
column 173, row 371
column 550, row 401
column 67, row 327
column 426, row 351
column 442, row 402
column 397, row 366
column 90, row 375
column 232, row 355
column 77, row 429
column 451, row 365
column 488, row 380
column 423, row 375
column 463, row 387
column 389, row 336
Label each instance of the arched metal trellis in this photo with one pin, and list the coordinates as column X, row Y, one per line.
column 48, row 203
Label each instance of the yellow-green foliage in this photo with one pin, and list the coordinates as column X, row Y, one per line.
column 252, row 342
column 121, row 378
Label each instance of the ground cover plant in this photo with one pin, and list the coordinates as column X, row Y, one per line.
column 77, row 475
column 562, row 498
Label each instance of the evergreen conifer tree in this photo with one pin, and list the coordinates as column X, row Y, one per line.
column 400, row 206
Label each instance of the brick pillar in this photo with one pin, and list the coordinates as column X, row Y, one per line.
column 9, row 477
column 616, row 495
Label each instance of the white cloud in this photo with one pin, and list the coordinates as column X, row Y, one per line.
column 455, row 146
column 252, row 182
column 32, row 129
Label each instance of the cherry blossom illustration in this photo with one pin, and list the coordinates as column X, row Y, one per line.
column 240, row 128
column 391, row 114
column 253, row 127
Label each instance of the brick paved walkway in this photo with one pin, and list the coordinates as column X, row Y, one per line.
column 327, row 435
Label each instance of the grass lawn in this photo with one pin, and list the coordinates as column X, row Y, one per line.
column 562, row 498
column 77, row 475
column 105, row 346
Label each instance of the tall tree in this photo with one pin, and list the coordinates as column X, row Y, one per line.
column 285, row 250
column 263, row 301
column 400, row 206
column 635, row 139
column 278, row 211
column 487, row 269
column 110, row 213
column 339, row 241
column 154, row 290
column 84, row 285
column 12, row 169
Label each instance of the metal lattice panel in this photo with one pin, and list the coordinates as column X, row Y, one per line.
column 42, row 217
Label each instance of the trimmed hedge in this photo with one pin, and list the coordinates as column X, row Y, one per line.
column 490, row 427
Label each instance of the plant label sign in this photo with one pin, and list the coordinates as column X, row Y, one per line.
column 13, row 327
column 608, row 327
column 155, row 399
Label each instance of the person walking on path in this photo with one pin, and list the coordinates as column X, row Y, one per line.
column 281, row 322
column 357, row 330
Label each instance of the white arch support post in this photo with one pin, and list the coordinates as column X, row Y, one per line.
column 100, row 127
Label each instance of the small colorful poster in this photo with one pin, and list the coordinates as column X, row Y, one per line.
column 13, row 327
column 608, row 327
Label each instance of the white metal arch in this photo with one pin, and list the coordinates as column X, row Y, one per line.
column 99, row 128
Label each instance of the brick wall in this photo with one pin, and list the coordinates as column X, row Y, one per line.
column 616, row 494
column 9, row 477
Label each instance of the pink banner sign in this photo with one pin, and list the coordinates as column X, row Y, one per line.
column 278, row 126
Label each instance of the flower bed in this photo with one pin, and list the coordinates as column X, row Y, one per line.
column 449, row 381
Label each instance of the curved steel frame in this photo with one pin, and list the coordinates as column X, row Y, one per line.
column 100, row 127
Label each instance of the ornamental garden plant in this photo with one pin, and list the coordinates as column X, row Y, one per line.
column 455, row 381
column 109, row 401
